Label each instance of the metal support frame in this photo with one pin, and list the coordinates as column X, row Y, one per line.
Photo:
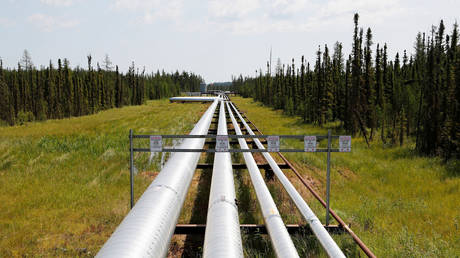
column 328, row 183
column 131, row 166
column 243, row 166
column 328, row 150
column 199, row 229
column 231, row 136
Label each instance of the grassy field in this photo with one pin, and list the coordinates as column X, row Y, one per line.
column 64, row 184
column 64, row 187
column 400, row 204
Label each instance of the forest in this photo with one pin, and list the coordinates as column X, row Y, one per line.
column 31, row 94
column 412, row 97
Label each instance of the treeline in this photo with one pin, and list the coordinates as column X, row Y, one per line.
column 53, row 92
column 410, row 96
column 220, row 86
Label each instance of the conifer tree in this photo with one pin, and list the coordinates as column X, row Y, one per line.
column 369, row 88
column 68, row 97
column 355, row 102
column 6, row 109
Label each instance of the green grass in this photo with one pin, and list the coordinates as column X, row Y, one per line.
column 64, row 187
column 64, row 184
column 399, row 204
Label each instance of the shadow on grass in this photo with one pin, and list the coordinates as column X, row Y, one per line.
column 308, row 245
column 243, row 195
column 403, row 153
column 6, row 165
column 254, row 245
column 453, row 168
column 193, row 244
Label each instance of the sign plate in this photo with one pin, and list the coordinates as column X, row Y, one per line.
column 273, row 143
column 310, row 143
column 156, row 143
column 345, row 143
column 221, row 143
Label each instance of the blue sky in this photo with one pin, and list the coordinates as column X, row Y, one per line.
column 216, row 39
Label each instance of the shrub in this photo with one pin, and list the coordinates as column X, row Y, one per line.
column 24, row 117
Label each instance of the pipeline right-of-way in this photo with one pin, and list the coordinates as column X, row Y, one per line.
column 147, row 229
column 315, row 224
column 281, row 241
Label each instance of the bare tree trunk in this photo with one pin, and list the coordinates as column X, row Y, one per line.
column 361, row 126
column 393, row 132
column 401, row 130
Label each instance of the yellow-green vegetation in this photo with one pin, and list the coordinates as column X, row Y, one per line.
column 399, row 204
column 64, row 184
column 64, row 187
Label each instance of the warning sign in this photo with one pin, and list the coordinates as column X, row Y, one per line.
column 345, row 143
column 310, row 143
column 221, row 143
column 273, row 143
column 156, row 143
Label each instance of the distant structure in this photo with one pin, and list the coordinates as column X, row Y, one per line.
column 191, row 93
column 203, row 87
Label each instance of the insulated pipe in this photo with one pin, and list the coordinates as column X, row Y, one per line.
column 222, row 236
column 192, row 99
column 281, row 241
column 147, row 229
column 316, row 226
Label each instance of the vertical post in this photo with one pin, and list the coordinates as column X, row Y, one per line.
column 328, row 182
column 131, row 166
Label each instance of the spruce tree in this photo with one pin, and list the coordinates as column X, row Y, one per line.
column 369, row 88
column 68, row 96
column 6, row 109
column 355, row 102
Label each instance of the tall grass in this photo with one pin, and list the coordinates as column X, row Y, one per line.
column 400, row 204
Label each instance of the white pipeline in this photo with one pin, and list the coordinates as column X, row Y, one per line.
column 222, row 237
column 192, row 99
column 281, row 241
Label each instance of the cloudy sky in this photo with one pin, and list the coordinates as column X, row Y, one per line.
column 216, row 39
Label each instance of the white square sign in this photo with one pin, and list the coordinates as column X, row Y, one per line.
column 221, row 143
column 310, row 143
column 345, row 143
column 156, row 143
column 273, row 143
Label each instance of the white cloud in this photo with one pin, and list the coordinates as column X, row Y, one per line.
column 287, row 8
column 170, row 10
column 228, row 9
column 340, row 7
column 377, row 9
column 153, row 10
column 257, row 16
column 57, row 2
column 339, row 12
column 260, row 16
column 5, row 22
column 50, row 23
